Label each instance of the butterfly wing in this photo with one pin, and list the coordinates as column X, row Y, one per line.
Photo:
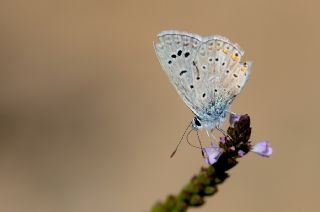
column 206, row 72
column 176, row 52
column 220, row 75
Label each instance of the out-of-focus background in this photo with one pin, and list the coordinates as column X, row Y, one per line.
column 88, row 119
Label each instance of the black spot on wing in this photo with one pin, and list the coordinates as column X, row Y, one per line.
column 183, row 72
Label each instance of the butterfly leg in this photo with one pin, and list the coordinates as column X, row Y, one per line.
column 194, row 145
column 212, row 136
column 189, row 141
column 223, row 132
column 200, row 144
column 231, row 112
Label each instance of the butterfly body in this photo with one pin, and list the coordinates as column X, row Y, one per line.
column 211, row 117
column 207, row 73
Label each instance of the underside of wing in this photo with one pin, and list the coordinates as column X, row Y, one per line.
column 176, row 52
column 206, row 72
column 221, row 73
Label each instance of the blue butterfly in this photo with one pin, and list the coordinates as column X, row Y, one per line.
column 207, row 73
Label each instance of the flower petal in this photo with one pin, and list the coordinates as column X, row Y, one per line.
column 212, row 153
column 241, row 153
column 262, row 148
column 223, row 140
column 234, row 118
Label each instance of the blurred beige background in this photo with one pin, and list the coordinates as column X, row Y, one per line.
column 88, row 119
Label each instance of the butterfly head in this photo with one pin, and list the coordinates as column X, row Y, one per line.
column 196, row 123
column 208, row 123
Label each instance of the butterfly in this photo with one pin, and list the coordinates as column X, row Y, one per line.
column 207, row 73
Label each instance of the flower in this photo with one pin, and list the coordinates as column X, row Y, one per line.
column 262, row 148
column 241, row 153
column 212, row 153
column 234, row 118
column 223, row 140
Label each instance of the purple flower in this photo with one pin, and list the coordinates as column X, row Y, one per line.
column 223, row 140
column 212, row 153
column 234, row 118
column 262, row 148
column 241, row 153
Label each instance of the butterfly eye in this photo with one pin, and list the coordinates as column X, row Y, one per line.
column 197, row 122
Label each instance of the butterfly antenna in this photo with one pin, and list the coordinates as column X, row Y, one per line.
column 175, row 150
